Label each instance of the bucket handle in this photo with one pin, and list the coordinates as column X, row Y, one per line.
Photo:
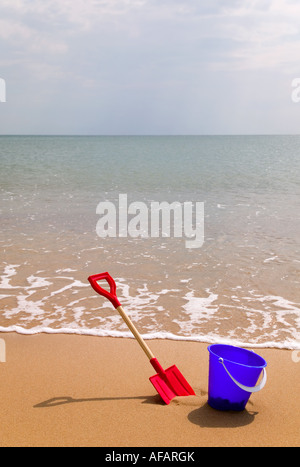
column 247, row 388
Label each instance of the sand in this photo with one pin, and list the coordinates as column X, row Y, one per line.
column 70, row 390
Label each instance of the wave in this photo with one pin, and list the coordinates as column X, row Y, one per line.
column 287, row 345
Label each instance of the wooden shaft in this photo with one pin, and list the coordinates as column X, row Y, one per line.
column 135, row 333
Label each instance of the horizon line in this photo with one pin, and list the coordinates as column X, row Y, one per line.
column 146, row 134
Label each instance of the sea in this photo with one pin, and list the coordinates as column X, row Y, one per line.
column 238, row 285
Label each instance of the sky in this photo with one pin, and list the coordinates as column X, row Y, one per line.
column 135, row 67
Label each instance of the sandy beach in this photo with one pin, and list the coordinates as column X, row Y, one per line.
column 70, row 390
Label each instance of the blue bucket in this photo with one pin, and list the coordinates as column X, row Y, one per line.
column 233, row 374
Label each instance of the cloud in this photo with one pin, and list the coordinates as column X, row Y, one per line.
column 149, row 63
column 20, row 36
column 265, row 33
column 250, row 30
column 14, row 30
column 84, row 14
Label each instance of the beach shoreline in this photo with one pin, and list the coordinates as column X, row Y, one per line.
column 71, row 390
column 241, row 285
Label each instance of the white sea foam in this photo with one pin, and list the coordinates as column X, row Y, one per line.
column 196, row 312
column 9, row 271
column 208, row 339
column 36, row 282
column 272, row 258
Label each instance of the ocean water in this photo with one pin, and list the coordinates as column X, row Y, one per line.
column 241, row 286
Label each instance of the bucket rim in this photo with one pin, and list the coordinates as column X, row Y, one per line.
column 264, row 363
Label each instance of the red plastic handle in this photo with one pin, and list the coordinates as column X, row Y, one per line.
column 111, row 295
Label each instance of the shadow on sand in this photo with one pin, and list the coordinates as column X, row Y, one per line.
column 208, row 417
column 203, row 415
column 55, row 401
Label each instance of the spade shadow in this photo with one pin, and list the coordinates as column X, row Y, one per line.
column 63, row 400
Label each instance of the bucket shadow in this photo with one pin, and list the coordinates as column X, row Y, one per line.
column 207, row 417
column 56, row 401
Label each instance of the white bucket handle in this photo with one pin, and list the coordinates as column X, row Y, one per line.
column 246, row 388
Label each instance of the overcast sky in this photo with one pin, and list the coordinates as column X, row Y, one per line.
column 149, row 66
